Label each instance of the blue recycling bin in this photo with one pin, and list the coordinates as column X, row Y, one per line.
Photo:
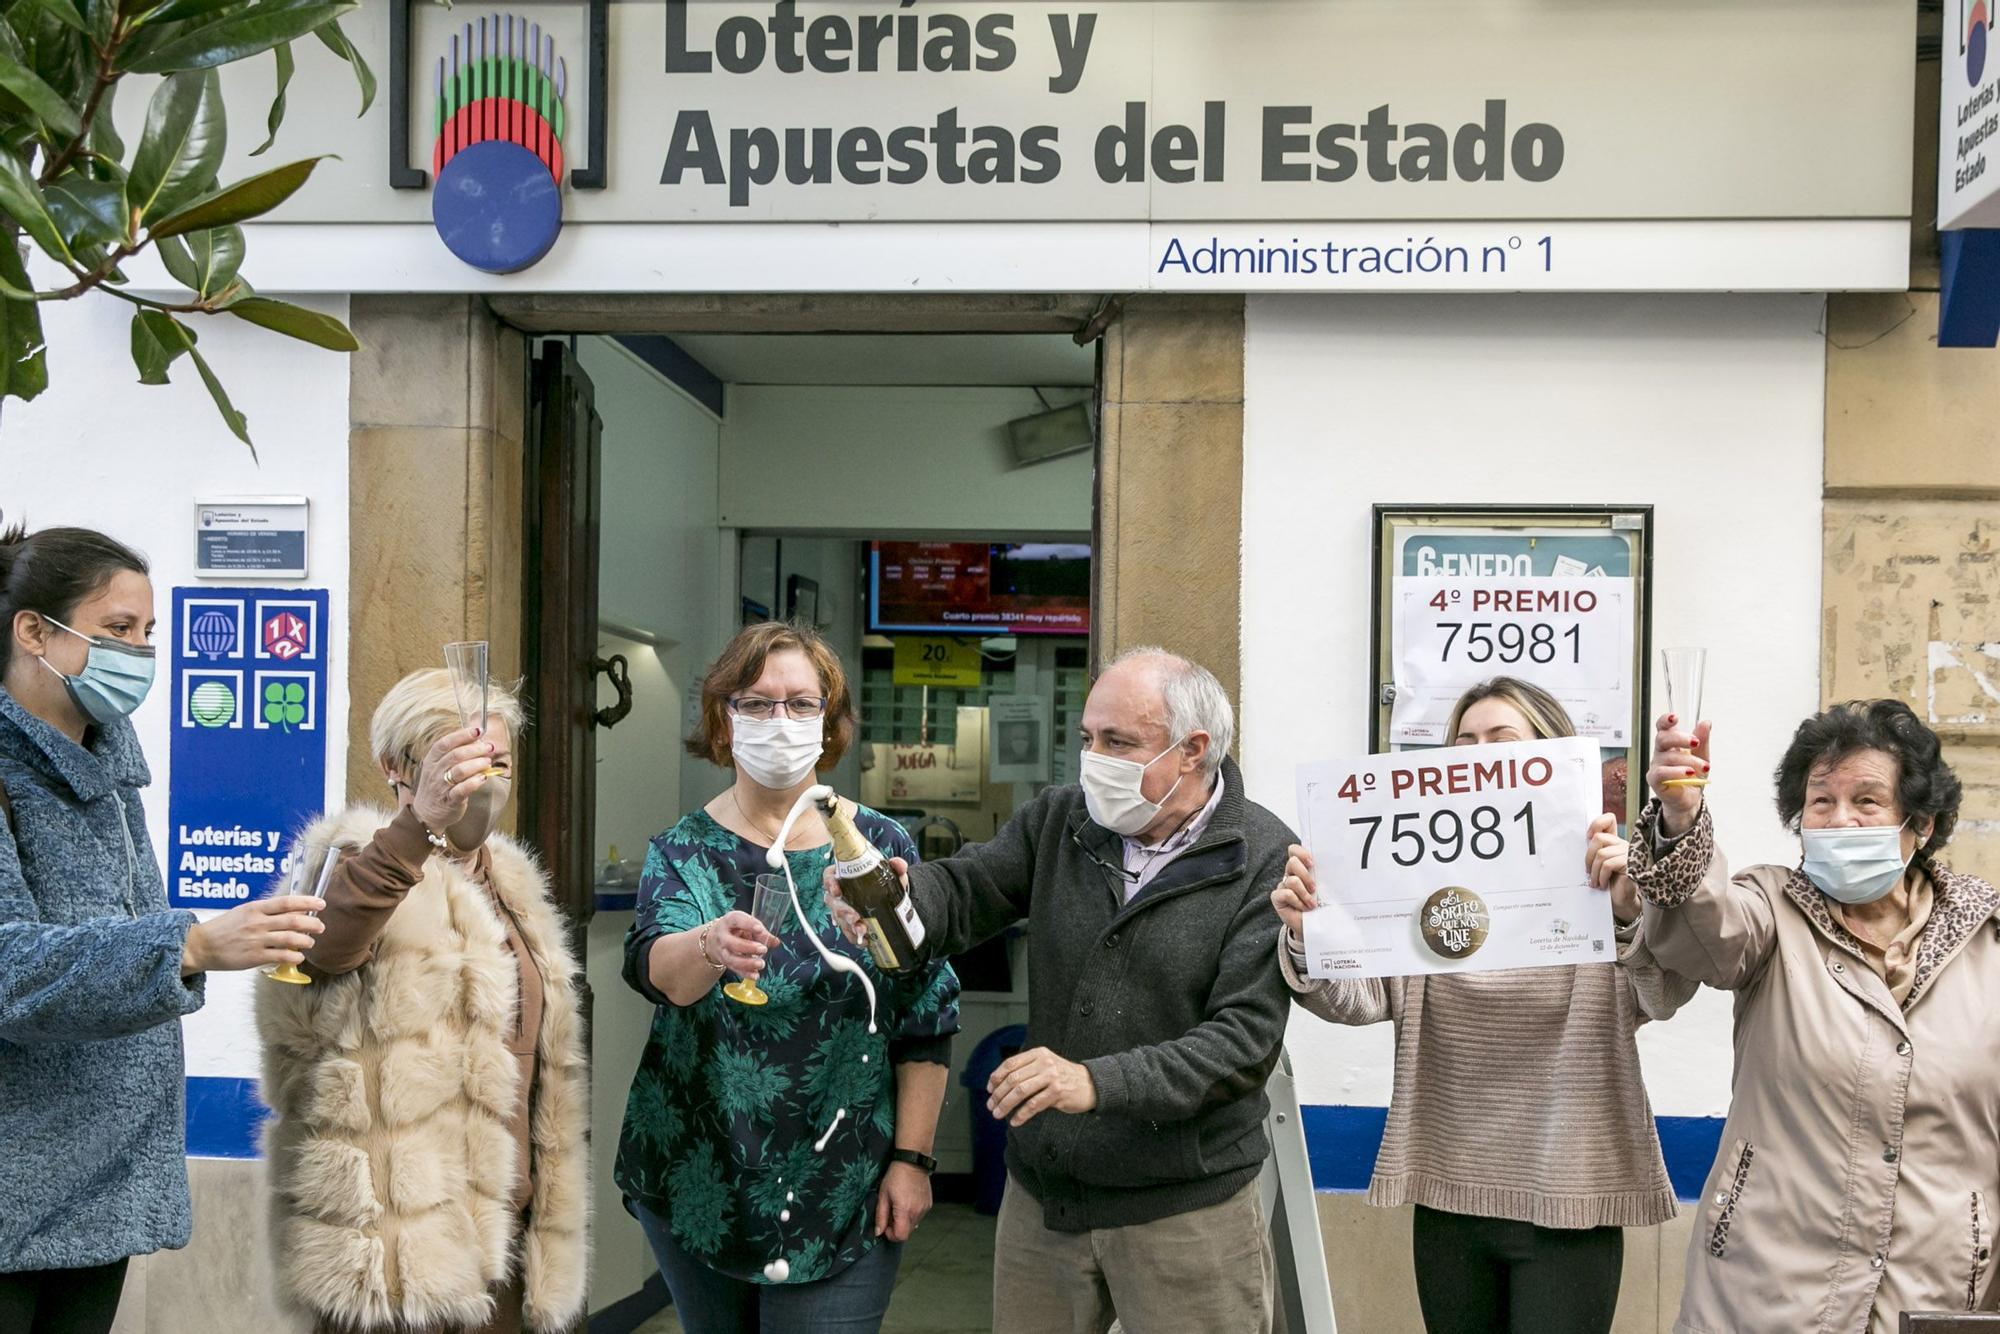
column 989, row 1135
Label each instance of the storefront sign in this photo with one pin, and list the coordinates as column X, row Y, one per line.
column 1969, row 118
column 1233, row 145
column 1170, row 109
column 255, row 535
column 922, row 660
column 1465, row 860
column 249, row 738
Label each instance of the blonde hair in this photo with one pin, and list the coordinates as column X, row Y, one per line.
column 420, row 709
column 1543, row 712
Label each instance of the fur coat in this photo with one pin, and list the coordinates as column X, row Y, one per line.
column 392, row 1169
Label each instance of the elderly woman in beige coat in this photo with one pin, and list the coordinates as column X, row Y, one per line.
column 428, row 1159
column 1860, row 1164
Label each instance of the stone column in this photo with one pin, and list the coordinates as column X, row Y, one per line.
column 1170, row 481
column 438, row 396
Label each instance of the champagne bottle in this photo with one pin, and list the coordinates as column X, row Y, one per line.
column 871, row 888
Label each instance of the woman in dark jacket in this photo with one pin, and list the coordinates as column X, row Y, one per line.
column 95, row 973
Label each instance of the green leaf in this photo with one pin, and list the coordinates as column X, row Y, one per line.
column 45, row 102
column 175, row 10
column 182, row 144
column 246, row 31
column 88, row 212
column 217, row 254
column 24, row 363
column 180, row 263
column 240, row 202
column 63, row 12
column 335, row 39
column 158, row 339
column 308, row 326
column 23, row 201
column 277, row 116
column 239, row 425
column 104, row 136
column 102, row 15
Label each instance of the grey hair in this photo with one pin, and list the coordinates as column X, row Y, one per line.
column 1196, row 701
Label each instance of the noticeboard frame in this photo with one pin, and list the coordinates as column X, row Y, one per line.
column 1392, row 522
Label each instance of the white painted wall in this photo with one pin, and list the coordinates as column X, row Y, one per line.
column 891, row 460
column 100, row 450
column 1709, row 407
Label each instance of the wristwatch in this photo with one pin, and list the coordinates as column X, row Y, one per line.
column 921, row 1161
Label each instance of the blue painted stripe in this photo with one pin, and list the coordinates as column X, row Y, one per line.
column 223, row 1116
column 1342, row 1141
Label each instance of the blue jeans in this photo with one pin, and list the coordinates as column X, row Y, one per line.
column 851, row 1302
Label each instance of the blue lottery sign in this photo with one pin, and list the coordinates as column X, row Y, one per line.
column 249, row 738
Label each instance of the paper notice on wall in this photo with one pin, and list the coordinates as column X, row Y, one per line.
column 1018, row 748
column 1572, row 636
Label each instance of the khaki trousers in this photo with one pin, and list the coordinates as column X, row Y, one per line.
column 1205, row 1272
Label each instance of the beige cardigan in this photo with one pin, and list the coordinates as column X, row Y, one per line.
column 1517, row 1093
column 393, row 1172
column 1860, row 1165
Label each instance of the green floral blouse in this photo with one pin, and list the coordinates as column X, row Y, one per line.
column 730, row 1100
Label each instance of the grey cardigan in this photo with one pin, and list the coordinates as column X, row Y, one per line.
column 1169, row 1001
column 91, row 1094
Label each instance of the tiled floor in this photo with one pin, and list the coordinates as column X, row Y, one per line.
column 945, row 1285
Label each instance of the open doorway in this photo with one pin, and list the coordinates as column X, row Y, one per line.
column 925, row 503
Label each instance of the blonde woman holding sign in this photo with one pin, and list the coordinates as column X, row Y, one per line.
column 1519, row 1124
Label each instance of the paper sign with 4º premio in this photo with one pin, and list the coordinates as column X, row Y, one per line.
column 1570, row 636
column 1465, row 859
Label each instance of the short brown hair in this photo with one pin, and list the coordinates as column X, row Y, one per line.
column 738, row 668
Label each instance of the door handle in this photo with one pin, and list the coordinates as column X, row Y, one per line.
column 621, row 680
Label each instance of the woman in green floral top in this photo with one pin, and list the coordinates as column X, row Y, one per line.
column 777, row 1156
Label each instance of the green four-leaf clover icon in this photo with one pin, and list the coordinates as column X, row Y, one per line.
column 284, row 703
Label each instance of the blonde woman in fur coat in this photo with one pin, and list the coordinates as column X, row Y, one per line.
column 428, row 1159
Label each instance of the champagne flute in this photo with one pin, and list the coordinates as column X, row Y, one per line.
column 770, row 903
column 1684, row 669
column 470, row 681
column 317, row 865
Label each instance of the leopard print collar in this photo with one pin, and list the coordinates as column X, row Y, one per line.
column 1959, row 905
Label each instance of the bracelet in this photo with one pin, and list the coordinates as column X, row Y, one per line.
column 923, row 1162
column 701, row 947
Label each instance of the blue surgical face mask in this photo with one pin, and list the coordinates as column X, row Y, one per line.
column 114, row 679
column 1859, row 864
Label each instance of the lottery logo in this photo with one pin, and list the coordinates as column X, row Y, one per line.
column 498, row 156
column 1978, row 23
column 214, row 633
column 286, row 636
column 1454, row 922
column 212, row 704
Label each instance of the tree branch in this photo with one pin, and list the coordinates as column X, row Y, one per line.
column 107, row 74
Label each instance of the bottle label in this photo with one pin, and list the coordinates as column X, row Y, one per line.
column 878, row 946
column 911, row 922
column 859, row 866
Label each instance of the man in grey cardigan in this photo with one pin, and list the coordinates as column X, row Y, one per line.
column 1155, row 1015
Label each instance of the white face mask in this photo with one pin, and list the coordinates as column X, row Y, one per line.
column 482, row 813
column 778, row 753
column 1858, row 864
column 1113, row 795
